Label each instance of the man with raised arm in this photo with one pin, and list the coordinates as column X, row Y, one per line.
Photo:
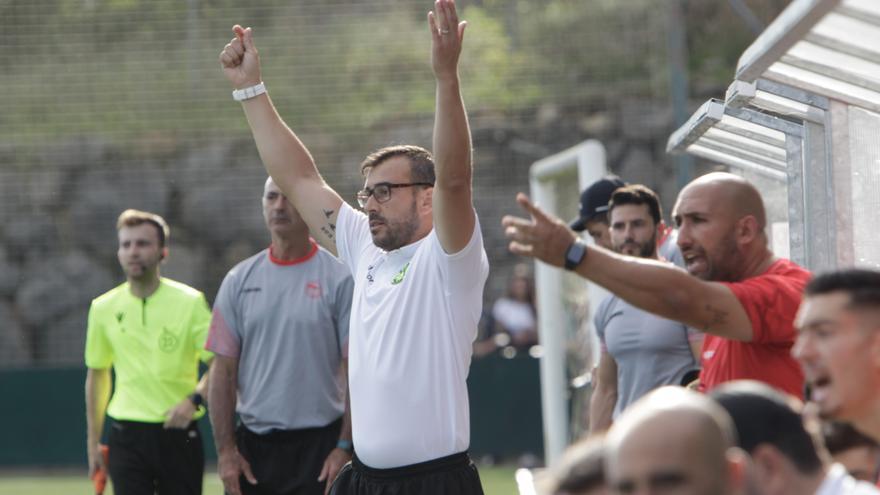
column 419, row 267
column 742, row 296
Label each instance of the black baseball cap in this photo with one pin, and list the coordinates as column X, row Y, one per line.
column 594, row 200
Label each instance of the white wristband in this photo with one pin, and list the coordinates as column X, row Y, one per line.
column 248, row 93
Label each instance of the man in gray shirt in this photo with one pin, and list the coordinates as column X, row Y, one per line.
column 280, row 332
column 640, row 351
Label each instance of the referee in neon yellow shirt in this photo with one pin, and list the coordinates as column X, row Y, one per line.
column 151, row 331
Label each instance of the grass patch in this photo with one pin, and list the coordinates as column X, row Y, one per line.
column 497, row 480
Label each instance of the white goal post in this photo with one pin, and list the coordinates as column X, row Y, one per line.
column 548, row 177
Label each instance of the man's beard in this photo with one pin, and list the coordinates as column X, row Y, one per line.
column 399, row 233
column 644, row 250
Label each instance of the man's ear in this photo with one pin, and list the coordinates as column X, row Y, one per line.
column 874, row 336
column 427, row 202
column 770, row 466
column 164, row 253
column 747, row 229
column 738, row 467
column 661, row 229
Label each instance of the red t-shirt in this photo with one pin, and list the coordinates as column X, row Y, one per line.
column 771, row 301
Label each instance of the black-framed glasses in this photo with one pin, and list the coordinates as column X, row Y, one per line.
column 382, row 191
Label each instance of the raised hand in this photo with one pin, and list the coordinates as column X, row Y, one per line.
column 447, row 34
column 544, row 237
column 240, row 60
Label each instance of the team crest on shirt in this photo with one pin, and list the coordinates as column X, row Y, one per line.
column 313, row 289
column 167, row 340
column 399, row 277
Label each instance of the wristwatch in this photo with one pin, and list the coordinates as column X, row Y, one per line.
column 575, row 254
column 196, row 398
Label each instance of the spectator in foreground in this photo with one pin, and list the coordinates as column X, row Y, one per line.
column 858, row 453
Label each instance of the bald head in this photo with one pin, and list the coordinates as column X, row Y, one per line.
column 721, row 222
column 730, row 193
column 674, row 439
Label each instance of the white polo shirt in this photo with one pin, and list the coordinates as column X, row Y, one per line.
column 414, row 318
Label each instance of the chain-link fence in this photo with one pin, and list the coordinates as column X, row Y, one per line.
column 115, row 104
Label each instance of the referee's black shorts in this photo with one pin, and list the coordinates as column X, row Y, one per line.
column 454, row 474
column 148, row 459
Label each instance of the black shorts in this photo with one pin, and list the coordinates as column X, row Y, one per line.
column 286, row 462
column 450, row 475
column 147, row 459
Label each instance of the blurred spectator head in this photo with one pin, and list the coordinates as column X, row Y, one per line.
column 580, row 471
column 858, row 453
column 677, row 441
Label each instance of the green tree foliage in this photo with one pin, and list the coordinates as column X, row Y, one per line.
column 123, row 68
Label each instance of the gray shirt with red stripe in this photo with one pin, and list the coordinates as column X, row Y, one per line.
column 287, row 323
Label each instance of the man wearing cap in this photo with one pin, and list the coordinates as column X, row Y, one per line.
column 593, row 217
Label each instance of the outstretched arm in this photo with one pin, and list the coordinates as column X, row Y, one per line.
column 651, row 285
column 285, row 157
column 452, row 201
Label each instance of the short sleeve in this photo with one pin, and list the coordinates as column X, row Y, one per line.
column 694, row 335
column 467, row 268
column 224, row 338
column 99, row 352
column 770, row 301
column 352, row 235
column 342, row 308
column 600, row 320
column 200, row 321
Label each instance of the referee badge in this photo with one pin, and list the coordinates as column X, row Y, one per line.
column 167, row 340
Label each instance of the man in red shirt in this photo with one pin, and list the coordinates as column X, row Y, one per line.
column 741, row 295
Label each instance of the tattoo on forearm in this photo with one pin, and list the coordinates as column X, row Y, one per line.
column 329, row 231
column 717, row 317
column 328, row 213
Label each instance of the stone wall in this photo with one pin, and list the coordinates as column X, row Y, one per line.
column 58, row 213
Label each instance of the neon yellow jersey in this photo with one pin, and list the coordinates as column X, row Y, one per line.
column 154, row 346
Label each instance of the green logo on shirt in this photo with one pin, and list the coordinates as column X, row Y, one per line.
column 167, row 340
column 399, row 277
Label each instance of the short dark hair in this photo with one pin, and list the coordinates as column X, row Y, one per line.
column 841, row 436
column 636, row 194
column 580, row 469
column 862, row 285
column 420, row 160
column 764, row 415
column 133, row 218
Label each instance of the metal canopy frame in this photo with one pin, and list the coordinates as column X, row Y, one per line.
column 816, row 64
column 812, row 211
column 750, row 139
column 827, row 47
column 739, row 137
